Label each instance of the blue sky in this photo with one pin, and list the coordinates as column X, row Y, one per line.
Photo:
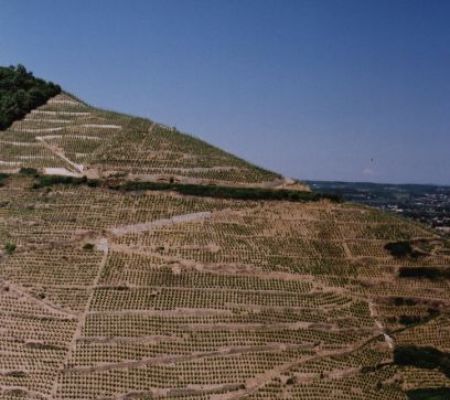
column 335, row 90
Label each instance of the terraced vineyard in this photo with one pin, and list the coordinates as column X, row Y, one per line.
column 148, row 294
column 67, row 136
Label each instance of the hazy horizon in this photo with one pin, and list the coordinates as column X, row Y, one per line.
column 331, row 90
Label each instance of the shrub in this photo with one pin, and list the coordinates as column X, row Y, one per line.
column 404, row 301
column 432, row 273
column 29, row 172
column 225, row 192
column 3, row 178
column 16, row 374
column 10, row 248
column 50, row 180
column 402, row 250
column 409, row 319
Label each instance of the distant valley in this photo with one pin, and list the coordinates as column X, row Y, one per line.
column 429, row 204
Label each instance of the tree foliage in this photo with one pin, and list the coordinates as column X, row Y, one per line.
column 439, row 393
column 21, row 92
column 401, row 249
column 3, row 178
column 432, row 273
column 224, row 192
column 10, row 248
column 423, row 357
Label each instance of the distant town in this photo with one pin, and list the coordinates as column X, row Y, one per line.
column 429, row 204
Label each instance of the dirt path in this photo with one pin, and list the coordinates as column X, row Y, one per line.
column 253, row 384
column 24, row 389
column 60, row 171
column 263, row 327
column 101, row 126
column 10, row 163
column 148, row 339
column 69, row 136
column 148, row 226
column 213, row 391
column 67, row 113
column 150, row 130
column 234, row 269
column 59, row 153
column 373, row 313
column 48, row 120
column 193, row 169
column 170, row 359
column 177, row 312
column 56, row 100
column 81, row 320
column 41, row 303
column 43, row 130
column 21, row 144
column 334, row 375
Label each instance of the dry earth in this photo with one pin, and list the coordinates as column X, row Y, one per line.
column 133, row 295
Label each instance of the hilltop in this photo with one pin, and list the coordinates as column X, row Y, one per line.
column 142, row 263
column 66, row 136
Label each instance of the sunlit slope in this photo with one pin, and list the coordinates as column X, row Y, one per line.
column 131, row 295
column 153, row 274
column 69, row 135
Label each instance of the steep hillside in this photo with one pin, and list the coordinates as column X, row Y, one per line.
column 109, row 291
column 65, row 136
